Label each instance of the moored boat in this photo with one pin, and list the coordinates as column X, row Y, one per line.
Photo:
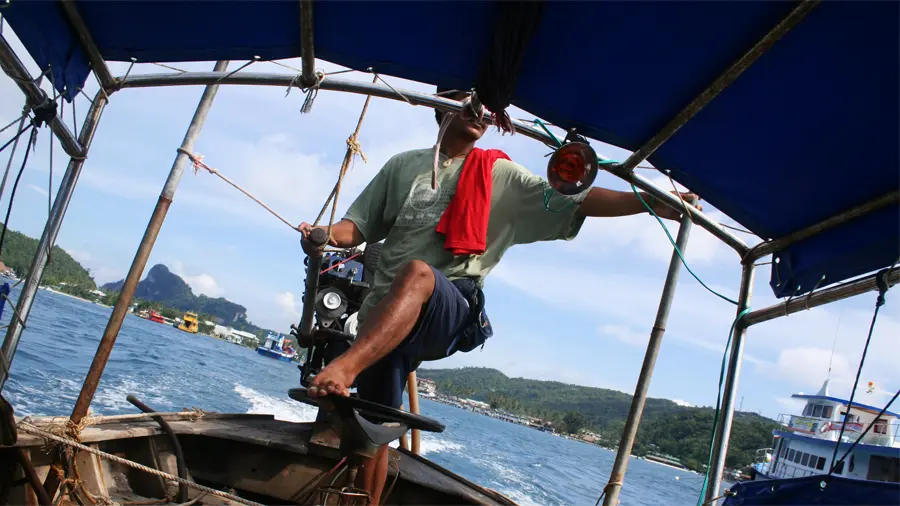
column 277, row 347
column 805, row 444
column 190, row 323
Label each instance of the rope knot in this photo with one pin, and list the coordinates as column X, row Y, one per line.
column 354, row 147
column 311, row 91
column 881, row 280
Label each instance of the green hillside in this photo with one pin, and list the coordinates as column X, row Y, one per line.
column 666, row 427
column 18, row 253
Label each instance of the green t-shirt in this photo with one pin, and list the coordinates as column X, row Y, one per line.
column 399, row 207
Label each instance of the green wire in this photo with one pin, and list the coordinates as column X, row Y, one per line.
column 683, row 262
column 548, row 194
column 547, row 130
column 678, row 251
column 712, row 436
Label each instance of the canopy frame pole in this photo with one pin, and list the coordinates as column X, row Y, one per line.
column 629, row 433
column 820, row 298
column 48, row 236
column 86, row 41
column 775, row 245
column 307, row 44
column 719, row 84
column 35, row 96
column 91, row 382
column 726, row 414
column 428, row 100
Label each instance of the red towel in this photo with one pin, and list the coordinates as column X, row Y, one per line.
column 465, row 221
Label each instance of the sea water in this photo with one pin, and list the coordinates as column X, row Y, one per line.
column 170, row 370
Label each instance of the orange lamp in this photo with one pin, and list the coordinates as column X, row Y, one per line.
column 572, row 168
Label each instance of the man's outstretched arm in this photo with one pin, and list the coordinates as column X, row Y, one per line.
column 344, row 234
column 604, row 203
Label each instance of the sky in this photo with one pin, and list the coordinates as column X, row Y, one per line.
column 576, row 311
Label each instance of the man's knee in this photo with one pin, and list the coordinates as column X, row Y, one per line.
column 416, row 277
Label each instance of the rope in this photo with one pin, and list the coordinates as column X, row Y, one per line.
column 163, row 65
column 605, row 489
column 712, row 436
column 12, row 195
column 885, row 408
column 31, row 429
column 353, row 148
column 197, row 161
column 514, row 25
column 378, row 78
column 881, row 280
column 728, row 493
column 446, row 119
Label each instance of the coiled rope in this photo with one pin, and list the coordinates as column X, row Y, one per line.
column 36, row 431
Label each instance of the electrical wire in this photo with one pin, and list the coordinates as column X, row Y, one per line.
column 715, row 426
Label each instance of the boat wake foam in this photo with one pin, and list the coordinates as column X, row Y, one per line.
column 282, row 408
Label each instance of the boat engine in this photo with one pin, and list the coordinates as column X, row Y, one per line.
column 336, row 284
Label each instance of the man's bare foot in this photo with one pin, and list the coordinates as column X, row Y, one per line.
column 335, row 379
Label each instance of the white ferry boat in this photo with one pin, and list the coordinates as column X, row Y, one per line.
column 805, row 444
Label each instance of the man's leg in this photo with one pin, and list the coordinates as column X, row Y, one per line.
column 374, row 475
column 387, row 325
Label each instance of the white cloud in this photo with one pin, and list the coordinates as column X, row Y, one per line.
column 287, row 303
column 789, row 405
column 205, row 284
column 625, row 334
column 37, row 189
column 683, row 403
column 808, row 366
column 202, row 283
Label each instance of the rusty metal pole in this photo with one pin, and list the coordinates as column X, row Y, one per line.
column 617, row 476
column 89, row 388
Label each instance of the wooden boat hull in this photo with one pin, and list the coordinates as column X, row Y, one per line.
column 259, row 458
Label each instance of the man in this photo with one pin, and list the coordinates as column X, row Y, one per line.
column 414, row 311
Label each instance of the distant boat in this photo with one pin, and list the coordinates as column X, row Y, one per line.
column 153, row 316
column 190, row 323
column 277, row 347
column 804, row 446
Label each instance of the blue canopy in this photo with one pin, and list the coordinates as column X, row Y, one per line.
column 822, row 490
column 808, row 131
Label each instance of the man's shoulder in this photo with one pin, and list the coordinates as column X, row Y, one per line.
column 509, row 168
column 412, row 156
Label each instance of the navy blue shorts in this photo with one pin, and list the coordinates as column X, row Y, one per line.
column 453, row 320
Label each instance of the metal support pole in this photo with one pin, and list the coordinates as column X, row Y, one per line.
column 307, row 44
column 775, row 245
column 617, row 476
column 89, row 387
column 413, row 390
column 726, row 415
column 820, row 298
column 48, row 237
column 98, row 65
column 35, row 96
column 723, row 81
column 427, row 100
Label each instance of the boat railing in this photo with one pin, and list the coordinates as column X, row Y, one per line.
column 881, row 433
column 786, row 469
